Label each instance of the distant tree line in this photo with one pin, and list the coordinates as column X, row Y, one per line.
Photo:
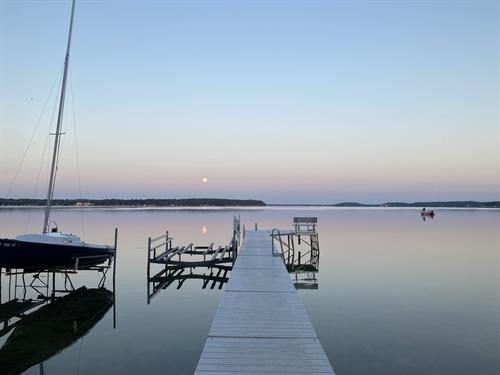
column 219, row 202
column 451, row 204
column 189, row 202
column 442, row 204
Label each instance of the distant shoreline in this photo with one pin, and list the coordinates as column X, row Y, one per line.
column 153, row 202
column 435, row 204
column 226, row 203
column 242, row 208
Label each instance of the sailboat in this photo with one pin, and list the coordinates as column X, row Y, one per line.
column 52, row 248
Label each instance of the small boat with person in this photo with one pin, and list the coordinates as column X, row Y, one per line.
column 427, row 213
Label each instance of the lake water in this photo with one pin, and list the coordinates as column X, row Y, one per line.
column 396, row 295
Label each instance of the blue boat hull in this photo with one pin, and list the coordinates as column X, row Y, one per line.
column 31, row 255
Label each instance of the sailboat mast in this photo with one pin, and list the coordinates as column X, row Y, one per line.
column 57, row 141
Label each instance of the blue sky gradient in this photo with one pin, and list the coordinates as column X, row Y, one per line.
column 287, row 101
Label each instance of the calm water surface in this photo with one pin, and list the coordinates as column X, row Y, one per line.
column 396, row 295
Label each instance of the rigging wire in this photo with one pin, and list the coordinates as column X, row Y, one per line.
column 77, row 153
column 45, row 156
column 45, row 152
column 59, row 151
column 40, row 167
column 9, row 191
column 52, row 120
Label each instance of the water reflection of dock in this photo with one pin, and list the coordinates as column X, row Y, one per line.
column 260, row 324
column 211, row 277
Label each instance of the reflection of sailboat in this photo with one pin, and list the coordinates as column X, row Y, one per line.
column 52, row 328
column 52, row 248
column 15, row 308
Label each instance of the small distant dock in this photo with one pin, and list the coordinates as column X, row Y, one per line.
column 261, row 326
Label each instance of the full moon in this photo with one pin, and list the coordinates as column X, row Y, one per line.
column 204, row 180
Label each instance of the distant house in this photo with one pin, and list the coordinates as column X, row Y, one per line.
column 84, row 204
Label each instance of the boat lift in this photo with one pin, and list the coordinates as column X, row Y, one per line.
column 286, row 243
column 24, row 296
column 214, row 262
column 43, row 276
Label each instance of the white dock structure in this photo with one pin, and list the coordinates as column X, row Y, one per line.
column 261, row 326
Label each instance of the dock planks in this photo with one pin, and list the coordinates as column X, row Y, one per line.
column 261, row 326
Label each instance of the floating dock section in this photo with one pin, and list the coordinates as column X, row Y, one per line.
column 261, row 325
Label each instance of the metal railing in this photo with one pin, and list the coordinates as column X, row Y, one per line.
column 276, row 235
column 283, row 244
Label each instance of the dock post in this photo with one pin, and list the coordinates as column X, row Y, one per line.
column 115, row 246
column 239, row 230
column 114, row 280
column 53, row 295
column 148, row 266
column 10, row 281
column 149, row 252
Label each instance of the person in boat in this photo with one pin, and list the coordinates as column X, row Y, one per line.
column 427, row 213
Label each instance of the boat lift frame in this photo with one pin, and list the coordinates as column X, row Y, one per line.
column 162, row 251
column 38, row 283
column 283, row 244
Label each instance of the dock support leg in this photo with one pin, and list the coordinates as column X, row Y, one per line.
column 53, row 285
column 148, row 268
column 114, row 280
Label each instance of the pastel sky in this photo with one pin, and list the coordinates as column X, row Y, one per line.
column 285, row 101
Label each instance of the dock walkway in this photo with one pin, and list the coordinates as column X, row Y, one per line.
column 261, row 325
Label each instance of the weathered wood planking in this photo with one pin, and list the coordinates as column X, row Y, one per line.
column 261, row 326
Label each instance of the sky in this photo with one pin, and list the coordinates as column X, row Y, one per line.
column 285, row 101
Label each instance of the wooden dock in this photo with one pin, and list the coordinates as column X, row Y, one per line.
column 261, row 326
